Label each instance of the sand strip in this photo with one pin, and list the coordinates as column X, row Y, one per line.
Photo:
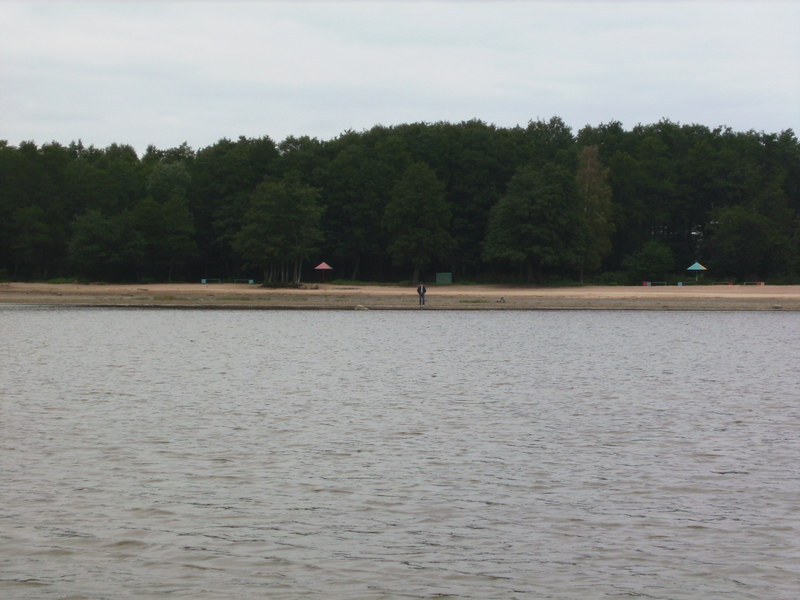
column 453, row 297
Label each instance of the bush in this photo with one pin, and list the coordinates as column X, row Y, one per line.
column 613, row 278
column 58, row 280
column 652, row 263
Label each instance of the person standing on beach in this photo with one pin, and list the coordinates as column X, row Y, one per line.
column 421, row 292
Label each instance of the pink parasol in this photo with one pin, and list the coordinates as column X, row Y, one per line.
column 323, row 266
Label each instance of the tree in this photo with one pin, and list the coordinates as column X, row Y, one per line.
column 178, row 245
column 358, row 183
column 596, row 210
column 166, row 230
column 417, row 219
column 281, row 228
column 478, row 164
column 534, row 224
column 164, row 219
column 223, row 177
column 167, row 180
column 590, row 201
column 654, row 261
column 106, row 247
column 741, row 241
column 545, row 141
column 32, row 240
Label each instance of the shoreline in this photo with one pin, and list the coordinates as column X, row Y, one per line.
column 374, row 297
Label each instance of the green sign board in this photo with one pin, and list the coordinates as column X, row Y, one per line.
column 444, row 278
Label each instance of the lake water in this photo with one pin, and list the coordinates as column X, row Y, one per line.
column 355, row 455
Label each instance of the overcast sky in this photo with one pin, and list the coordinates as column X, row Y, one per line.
column 164, row 73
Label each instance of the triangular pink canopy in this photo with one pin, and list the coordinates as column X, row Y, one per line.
column 323, row 266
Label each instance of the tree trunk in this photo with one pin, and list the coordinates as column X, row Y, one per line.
column 298, row 271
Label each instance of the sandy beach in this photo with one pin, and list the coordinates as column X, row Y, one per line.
column 450, row 297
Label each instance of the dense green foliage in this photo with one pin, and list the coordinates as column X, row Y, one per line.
column 417, row 219
column 281, row 228
column 488, row 204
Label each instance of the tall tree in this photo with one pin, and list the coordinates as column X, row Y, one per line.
column 32, row 240
column 594, row 193
column 107, row 248
column 166, row 230
column 167, row 180
column 223, row 177
column 178, row 245
column 358, row 183
column 534, row 225
column 417, row 219
column 281, row 228
column 741, row 242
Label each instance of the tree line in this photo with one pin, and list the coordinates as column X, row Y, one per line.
column 524, row 204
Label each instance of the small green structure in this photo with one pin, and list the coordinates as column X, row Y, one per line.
column 444, row 278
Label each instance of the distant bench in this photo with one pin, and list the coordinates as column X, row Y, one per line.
column 212, row 280
column 682, row 283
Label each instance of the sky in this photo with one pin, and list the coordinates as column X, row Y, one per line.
column 164, row 73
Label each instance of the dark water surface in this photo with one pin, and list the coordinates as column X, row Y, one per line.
column 340, row 455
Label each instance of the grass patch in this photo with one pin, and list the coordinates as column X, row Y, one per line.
column 475, row 301
column 59, row 280
column 285, row 286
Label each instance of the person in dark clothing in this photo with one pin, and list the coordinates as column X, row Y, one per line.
column 421, row 292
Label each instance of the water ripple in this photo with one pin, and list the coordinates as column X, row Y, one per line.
column 573, row 455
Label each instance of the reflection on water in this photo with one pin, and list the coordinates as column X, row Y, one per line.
column 337, row 455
